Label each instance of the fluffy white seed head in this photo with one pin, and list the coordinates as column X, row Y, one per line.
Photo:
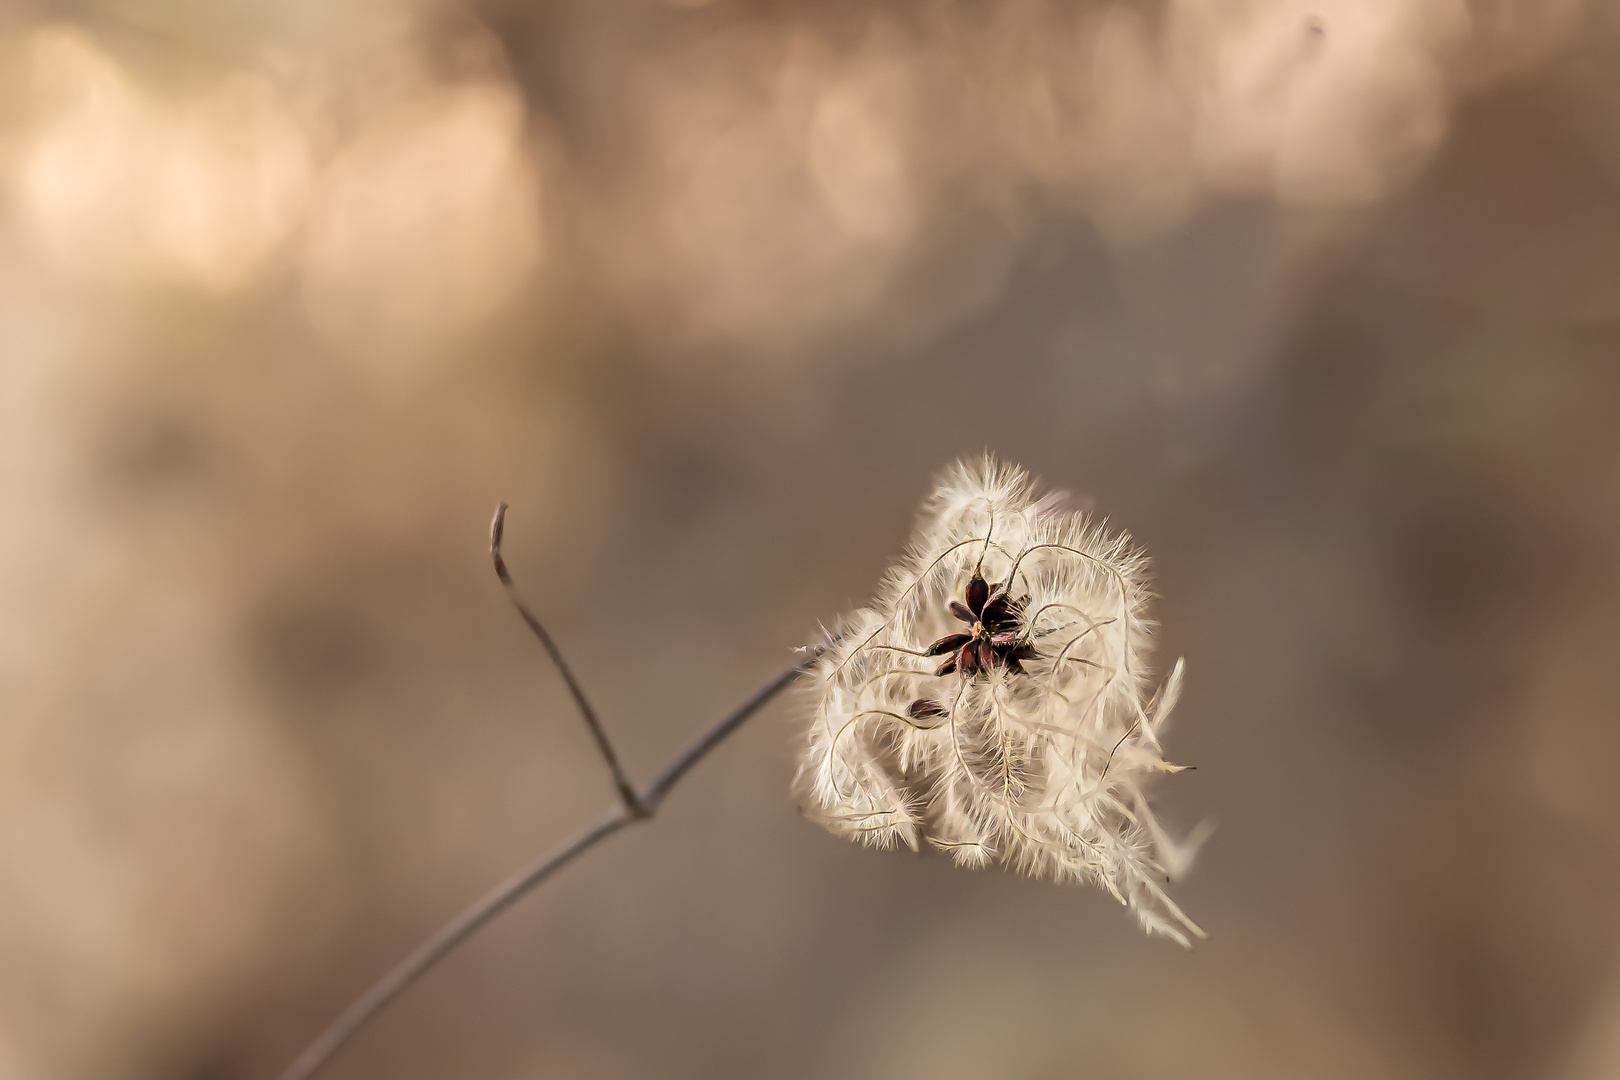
column 1034, row 748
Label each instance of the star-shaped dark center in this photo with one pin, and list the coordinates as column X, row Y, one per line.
column 993, row 636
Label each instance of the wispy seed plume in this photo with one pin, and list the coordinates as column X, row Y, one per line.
column 994, row 701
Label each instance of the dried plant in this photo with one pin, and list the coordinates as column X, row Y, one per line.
column 631, row 805
column 1027, row 745
column 1030, row 743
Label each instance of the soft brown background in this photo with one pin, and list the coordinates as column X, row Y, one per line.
column 1321, row 301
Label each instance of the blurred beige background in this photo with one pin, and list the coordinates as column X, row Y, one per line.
column 1320, row 300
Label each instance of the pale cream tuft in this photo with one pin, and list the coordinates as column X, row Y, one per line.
column 1038, row 765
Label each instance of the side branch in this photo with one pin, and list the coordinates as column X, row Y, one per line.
column 653, row 794
column 627, row 793
column 520, row 884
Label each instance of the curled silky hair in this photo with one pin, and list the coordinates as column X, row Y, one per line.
column 994, row 700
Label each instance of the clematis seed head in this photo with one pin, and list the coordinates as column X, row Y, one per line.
column 1033, row 744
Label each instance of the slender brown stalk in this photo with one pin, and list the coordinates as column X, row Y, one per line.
column 441, row 943
column 627, row 792
column 632, row 807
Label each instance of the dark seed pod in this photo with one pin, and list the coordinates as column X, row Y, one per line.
column 967, row 659
column 948, row 643
column 978, row 590
column 1003, row 639
column 960, row 610
column 948, row 666
column 987, row 654
column 924, row 709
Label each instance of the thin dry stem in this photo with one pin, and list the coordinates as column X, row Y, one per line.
column 632, row 806
column 627, row 792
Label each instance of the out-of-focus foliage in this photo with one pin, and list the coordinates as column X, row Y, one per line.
column 1321, row 301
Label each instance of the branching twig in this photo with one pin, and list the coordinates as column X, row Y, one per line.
column 632, row 806
column 627, row 793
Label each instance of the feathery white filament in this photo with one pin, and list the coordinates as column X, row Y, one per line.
column 1036, row 763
